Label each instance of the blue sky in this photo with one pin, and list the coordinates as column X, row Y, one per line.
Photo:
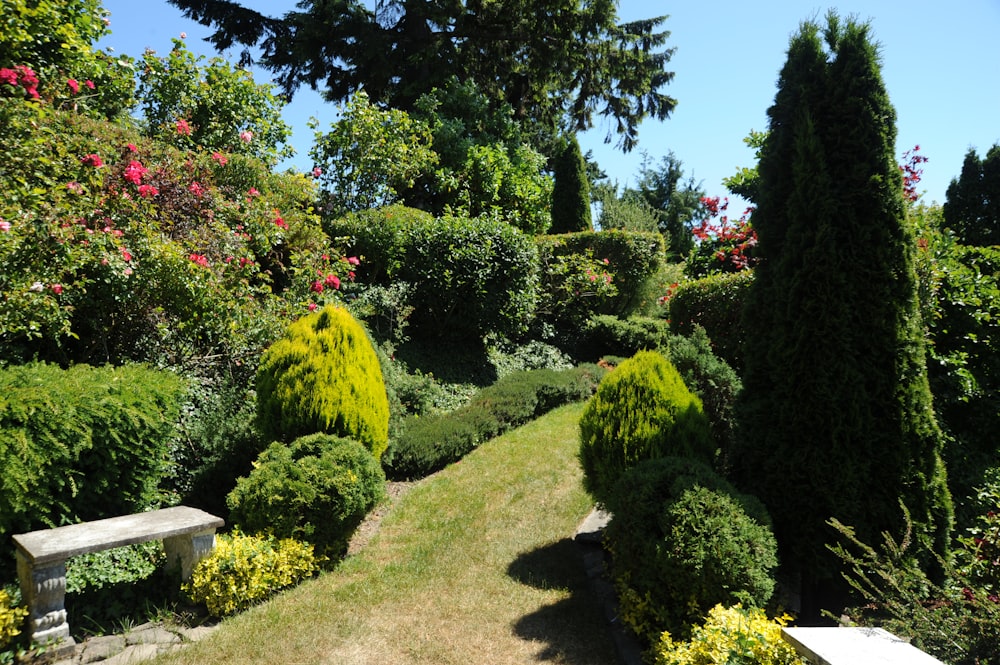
column 941, row 66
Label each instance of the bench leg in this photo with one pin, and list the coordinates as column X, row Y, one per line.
column 187, row 550
column 44, row 591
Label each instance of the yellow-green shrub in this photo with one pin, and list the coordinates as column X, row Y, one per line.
column 323, row 376
column 11, row 618
column 730, row 635
column 244, row 570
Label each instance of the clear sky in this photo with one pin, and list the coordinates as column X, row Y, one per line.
column 941, row 66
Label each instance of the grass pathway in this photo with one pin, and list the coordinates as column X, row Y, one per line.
column 475, row 564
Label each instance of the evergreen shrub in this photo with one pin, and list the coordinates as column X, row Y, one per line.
column 606, row 334
column 317, row 489
column 682, row 540
column 82, row 443
column 715, row 303
column 244, row 570
column 323, row 376
column 641, row 410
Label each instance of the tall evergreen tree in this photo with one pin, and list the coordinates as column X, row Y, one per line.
column 836, row 412
column 972, row 205
column 570, row 191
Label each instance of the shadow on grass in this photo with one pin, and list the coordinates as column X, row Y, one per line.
column 572, row 630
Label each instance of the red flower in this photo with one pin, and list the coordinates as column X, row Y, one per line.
column 220, row 158
column 183, row 128
column 332, row 281
column 74, row 86
column 56, row 288
column 279, row 222
column 316, row 287
column 196, row 189
column 134, row 172
column 199, row 259
column 92, row 160
column 8, row 76
column 148, row 191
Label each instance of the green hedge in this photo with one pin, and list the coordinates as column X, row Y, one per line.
column 470, row 277
column 428, row 443
column 716, row 304
column 633, row 259
column 82, row 443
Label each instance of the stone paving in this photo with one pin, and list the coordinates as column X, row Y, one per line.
column 139, row 644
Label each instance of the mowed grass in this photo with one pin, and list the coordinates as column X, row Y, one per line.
column 475, row 564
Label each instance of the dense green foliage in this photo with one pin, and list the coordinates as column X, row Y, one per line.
column 730, row 635
column 835, row 383
column 714, row 303
column 572, row 62
column 609, row 335
column 316, row 489
column 469, row 277
column 323, row 376
column 676, row 201
column 972, row 201
column 431, row 442
column 245, row 570
column 82, row 443
column 681, row 540
column 641, row 410
column 571, row 190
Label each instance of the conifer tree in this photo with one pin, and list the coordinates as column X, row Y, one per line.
column 836, row 413
column 570, row 191
column 972, row 206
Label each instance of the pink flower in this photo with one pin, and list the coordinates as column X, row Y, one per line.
column 74, row 187
column 332, row 281
column 313, row 306
column 8, row 76
column 246, row 136
column 317, row 286
column 317, row 171
column 279, row 222
column 89, row 84
column 353, row 260
column 28, row 80
column 4, row 225
column 196, row 189
column 134, row 172
column 220, row 158
column 148, row 191
column 92, row 160
column 131, row 147
column 183, row 128
column 126, row 255
column 199, row 259
column 252, row 192
column 74, row 86
column 56, row 288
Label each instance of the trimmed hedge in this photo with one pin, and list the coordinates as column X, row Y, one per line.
column 716, row 304
column 470, row 277
column 633, row 258
column 82, row 443
column 428, row 443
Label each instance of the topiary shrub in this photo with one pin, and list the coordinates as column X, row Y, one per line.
column 642, row 410
column 608, row 335
column 730, row 635
column 243, row 571
column 715, row 303
column 682, row 540
column 318, row 489
column 323, row 376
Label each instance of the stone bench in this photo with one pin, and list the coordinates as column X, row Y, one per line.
column 188, row 534
column 854, row 646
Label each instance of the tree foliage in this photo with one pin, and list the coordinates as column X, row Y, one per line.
column 556, row 63
column 571, row 191
column 972, row 206
column 837, row 418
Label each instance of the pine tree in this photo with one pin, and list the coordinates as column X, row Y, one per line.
column 836, row 413
column 972, row 206
column 571, row 191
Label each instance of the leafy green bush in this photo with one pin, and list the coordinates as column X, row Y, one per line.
column 470, row 277
column 633, row 258
column 82, row 443
column 730, row 635
column 430, row 442
column 606, row 334
column 323, row 376
column 317, row 489
column 641, row 410
column 715, row 303
column 243, row 571
column 680, row 545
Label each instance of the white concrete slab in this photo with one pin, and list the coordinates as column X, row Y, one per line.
column 854, row 646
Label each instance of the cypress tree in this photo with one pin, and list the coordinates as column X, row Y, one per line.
column 571, row 191
column 836, row 413
column 972, row 205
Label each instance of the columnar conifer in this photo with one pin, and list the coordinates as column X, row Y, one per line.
column 836, row 414
column 570, row 191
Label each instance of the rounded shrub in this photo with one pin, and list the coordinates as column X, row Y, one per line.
column 682, row 540
column 641, row 410
column 323, row 376
column 317, row 489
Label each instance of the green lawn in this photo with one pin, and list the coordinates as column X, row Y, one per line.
column 473, row 565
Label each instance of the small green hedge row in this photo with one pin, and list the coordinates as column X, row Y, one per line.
column 716, row 304
column 469, row 276
column 428, row 443
column 82, row 443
